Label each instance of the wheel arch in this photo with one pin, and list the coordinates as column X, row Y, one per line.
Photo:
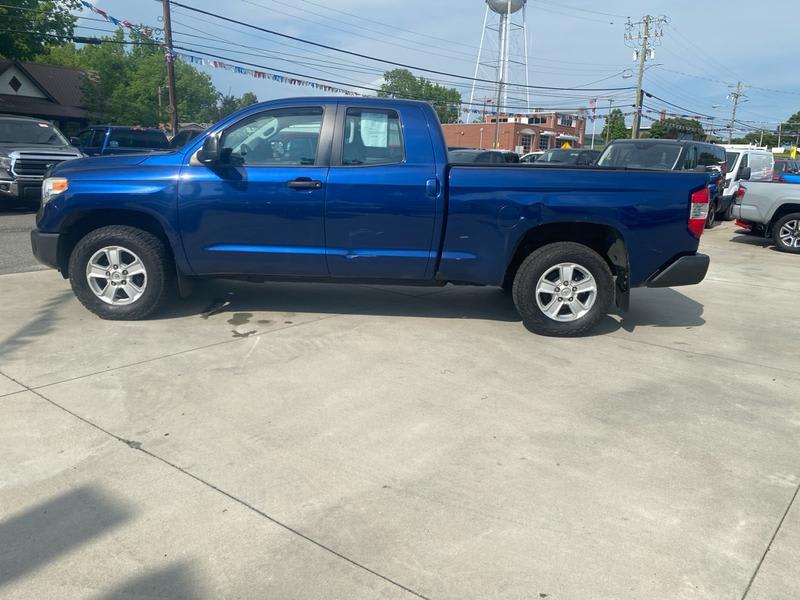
column 604, row 239
column 80, row 224
column 783, row 210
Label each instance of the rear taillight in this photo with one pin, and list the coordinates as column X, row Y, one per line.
column 698, row 212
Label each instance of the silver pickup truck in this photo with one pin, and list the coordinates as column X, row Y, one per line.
column 771, row 210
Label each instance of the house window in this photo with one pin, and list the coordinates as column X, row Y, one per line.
column 537, row 120
column 527, row 141
column 566, row 121
column 544, row 142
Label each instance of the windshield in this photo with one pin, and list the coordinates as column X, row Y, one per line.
column 654, row 156
column 468, row 156
column 18, row 131
column 567, row 157
column 731, row 158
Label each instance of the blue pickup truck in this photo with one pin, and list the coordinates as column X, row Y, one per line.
column 360, row 190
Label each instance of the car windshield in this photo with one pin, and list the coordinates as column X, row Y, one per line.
column 558, row 155
column 731, row 158
column 644, row 155
column 18, row 131
column 469, row 156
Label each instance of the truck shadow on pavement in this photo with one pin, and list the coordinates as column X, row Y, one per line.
column 238, row 302
column 68, row 523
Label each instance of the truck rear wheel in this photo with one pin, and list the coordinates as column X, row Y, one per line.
column 121, row 273
column 563, row 289
column 786, row 233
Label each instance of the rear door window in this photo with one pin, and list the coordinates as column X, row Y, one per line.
column 372, row 136
column 710, row 156
column 690, row 158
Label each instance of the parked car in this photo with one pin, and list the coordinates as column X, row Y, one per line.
column 674, row 155
column 472, row 155
column 786, row 170
column 28, row 149
column 184, row 136
column 758, row 162
column 101, row 140
column 370, row 197
column 531, row 156
column 564, row 156
column 770, row 210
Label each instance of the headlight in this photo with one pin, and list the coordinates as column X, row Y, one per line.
column 5, row 164
column 52, row 187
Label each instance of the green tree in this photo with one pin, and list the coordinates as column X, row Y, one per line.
column 402, row 83
column 34, row 24
column 674, row 129
column 128, row 86
column 614, row 128
column 229, row 104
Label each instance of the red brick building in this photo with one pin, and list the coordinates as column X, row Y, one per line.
column 520, row 133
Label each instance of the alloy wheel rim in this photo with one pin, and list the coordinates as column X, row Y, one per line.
column 790, row 234
column 116, row 275
column 566, row 292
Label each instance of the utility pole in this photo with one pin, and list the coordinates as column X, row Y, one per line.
column 779, row 134
column 736, row 96
column 643, row 36
column 170, row 58
column 608, row 120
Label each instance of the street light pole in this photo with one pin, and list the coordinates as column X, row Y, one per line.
column 170, row 59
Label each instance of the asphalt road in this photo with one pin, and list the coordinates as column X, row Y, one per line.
column 15, row 245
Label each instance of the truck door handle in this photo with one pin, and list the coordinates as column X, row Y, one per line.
column 432, row 188
column 304, row 183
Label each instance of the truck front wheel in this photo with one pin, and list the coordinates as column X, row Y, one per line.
column 563, row 289
column 121, row 273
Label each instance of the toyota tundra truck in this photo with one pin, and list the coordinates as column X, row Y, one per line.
column 361, row 190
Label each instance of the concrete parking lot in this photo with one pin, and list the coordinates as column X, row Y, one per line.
column 312, row 441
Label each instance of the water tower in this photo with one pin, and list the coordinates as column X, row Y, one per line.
column 502, row 58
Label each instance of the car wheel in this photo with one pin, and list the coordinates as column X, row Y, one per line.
column 786, row 233
column 121, row 273
column 729, row 212
column 563, row 289
column 711, row 219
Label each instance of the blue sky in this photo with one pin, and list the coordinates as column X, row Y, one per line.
column 707, row 45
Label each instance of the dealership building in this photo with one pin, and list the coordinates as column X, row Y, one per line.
column 520, row 133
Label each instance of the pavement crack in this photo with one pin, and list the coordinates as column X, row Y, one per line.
column 136, row 445
column 771, row 540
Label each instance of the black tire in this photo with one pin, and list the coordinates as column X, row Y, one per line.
column 776, row 230
column 729, row 212
column 537, row 264
column 711, row 219
column 154, row 255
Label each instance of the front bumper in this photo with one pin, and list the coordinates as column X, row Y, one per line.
column 45, row 247
column 21, row 189
column 685, row 270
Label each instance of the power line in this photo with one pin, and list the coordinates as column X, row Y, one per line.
column 381, row 60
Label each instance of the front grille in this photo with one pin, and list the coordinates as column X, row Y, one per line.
column 35, row 167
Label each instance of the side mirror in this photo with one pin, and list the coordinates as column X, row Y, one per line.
column 210, row 153
column 75, row 141
column 745, row 173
